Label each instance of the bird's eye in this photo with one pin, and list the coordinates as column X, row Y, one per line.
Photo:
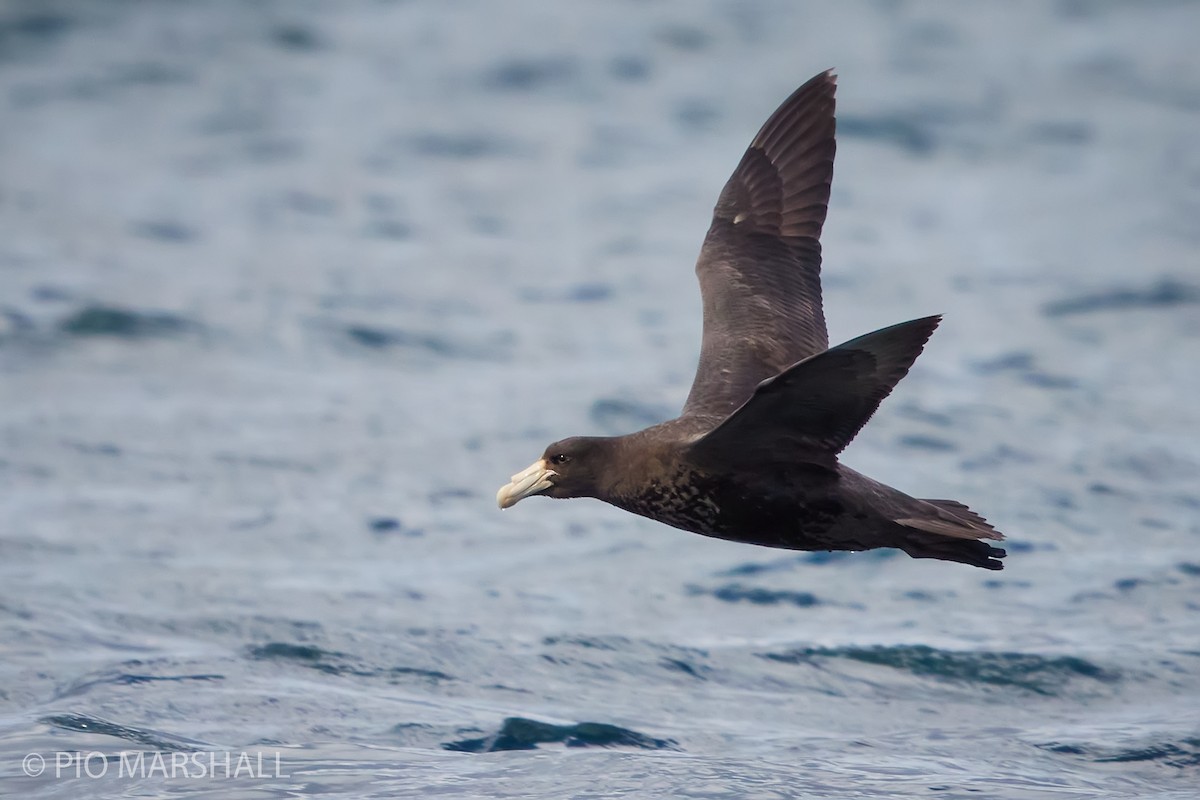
column 561, row 458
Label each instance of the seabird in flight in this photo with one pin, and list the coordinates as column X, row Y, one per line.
column 753, row 457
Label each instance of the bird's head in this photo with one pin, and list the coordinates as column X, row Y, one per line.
column 568, row 468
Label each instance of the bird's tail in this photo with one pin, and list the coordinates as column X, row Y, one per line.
column 952, row 532
column 964, row 551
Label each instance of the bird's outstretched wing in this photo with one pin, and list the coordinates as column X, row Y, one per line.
column 760, row 267
column 811, row 411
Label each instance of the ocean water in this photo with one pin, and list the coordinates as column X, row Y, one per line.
column 288, row 289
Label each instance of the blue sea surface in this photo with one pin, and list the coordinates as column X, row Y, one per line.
column 288, row 289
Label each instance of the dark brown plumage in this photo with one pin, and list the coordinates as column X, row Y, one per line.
column 753, row 455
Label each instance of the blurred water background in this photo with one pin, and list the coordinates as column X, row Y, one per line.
column 288, row 289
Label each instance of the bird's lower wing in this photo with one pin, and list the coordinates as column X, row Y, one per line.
column 812, row 410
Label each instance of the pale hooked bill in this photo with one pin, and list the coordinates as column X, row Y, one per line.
column 530, row 480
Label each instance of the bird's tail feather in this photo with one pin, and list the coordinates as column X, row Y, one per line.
column 964, row 551
column 951, row 532
column 950, row 518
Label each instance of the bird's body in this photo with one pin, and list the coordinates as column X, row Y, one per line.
column 753, row 456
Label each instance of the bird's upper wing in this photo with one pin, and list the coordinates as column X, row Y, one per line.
column 760, row 267
column 811, row 411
